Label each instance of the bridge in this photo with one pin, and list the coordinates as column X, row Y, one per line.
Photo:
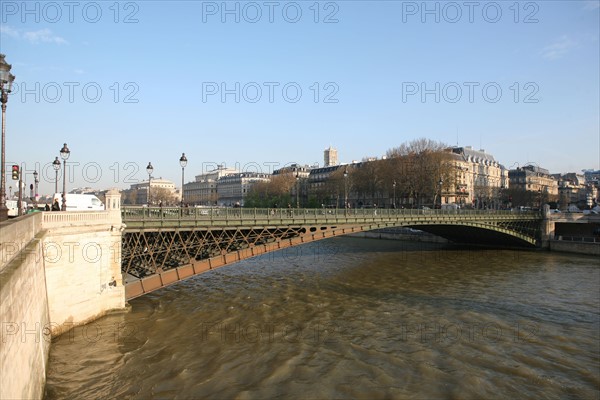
column 60, row 269
column 161, row 246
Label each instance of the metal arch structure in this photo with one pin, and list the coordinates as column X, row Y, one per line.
column 161, row 246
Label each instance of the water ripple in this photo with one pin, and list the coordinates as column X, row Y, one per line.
column 351, row 318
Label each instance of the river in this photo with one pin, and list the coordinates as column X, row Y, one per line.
column 351, row 318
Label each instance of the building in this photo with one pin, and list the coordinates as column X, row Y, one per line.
column 159, row 188
column 592, row 179
column 203, row 191
column 592, row 176
column 233, row 188
column 84, row 190
column 532, row 178
column 299, row 191
column 330, row 157
column 573, row 188
column 535, row 182
column 478, row 179
column 300, row 171
column 319, row 187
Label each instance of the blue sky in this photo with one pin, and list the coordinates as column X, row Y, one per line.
column 125, row 83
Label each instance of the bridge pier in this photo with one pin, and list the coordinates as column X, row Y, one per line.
column 547, row 228
column 82, row 261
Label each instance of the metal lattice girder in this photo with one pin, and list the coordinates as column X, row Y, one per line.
column 146, row 252
column 162, row 246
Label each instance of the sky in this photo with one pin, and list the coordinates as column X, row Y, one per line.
column 260, row 85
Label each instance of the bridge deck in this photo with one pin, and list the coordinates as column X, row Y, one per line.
column 154, row 217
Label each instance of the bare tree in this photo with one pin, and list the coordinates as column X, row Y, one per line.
column 131, row 197
column 163, row 195
column 420, row 165
column 416, row 146
column 366, row 181
column 268, row 194
column 334, row 187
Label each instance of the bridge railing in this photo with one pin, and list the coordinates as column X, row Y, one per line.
column 585, row 239
column 141, row 213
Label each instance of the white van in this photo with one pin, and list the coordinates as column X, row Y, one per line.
column 80, row 202
column 13, row 208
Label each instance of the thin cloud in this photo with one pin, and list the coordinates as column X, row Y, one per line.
column 591, row 5
column 34, row 37
column 559, row 48
column 44, row 36
column 7, row 30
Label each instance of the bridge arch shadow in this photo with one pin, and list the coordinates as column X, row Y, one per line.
column 477, row 235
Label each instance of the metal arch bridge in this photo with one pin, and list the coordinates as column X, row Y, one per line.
column 161, row 246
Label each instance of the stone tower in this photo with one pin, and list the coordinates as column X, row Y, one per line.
column 330, row 157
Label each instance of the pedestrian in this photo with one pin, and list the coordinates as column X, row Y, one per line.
column 55, row 206
column 47, row 207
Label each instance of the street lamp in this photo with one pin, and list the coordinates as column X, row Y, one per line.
column 64, row 154
column 441, row 182
column 6, row 80
column 56, row 165
column 346, row 190
column 35, row 194
column 183, row 163
column 297, row 189
column 149, row 170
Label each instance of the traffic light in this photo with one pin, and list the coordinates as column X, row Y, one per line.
column 15, row 172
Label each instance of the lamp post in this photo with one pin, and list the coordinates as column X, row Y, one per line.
column 441, row 182
column 35, row 194
column 149, row 170
column 346, row 191
column 64, row 154
column 183, row 163
column 297, row 189
column 6, row 80
column 394, row 198
column 56, row 165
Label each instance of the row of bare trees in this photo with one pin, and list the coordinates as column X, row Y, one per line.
column 275, row 193
column 409, row 175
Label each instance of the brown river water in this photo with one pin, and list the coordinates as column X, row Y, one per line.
column 351, row 318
